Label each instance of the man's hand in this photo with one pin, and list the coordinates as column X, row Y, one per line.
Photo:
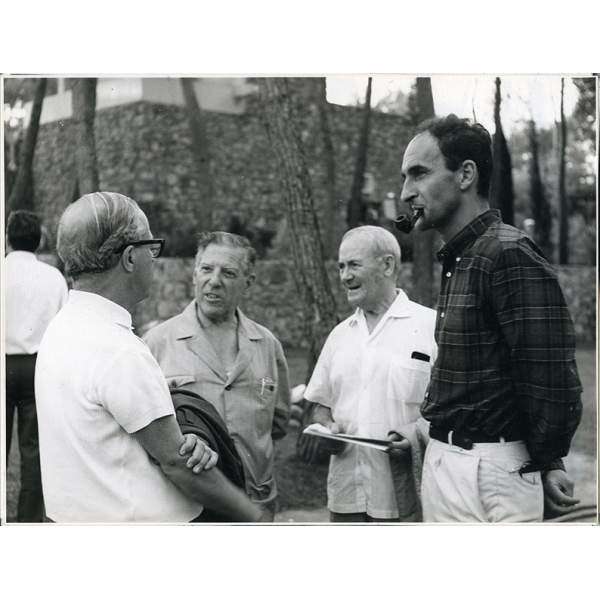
column 202, row 458
column 558, row 493
column 322, row 415
column 399, row 445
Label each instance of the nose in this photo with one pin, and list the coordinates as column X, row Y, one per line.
column 345, row 274
column 215, row 278
column 408, row 193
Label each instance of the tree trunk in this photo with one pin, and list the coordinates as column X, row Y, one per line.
column 84, row 113
column 331, row 214
column 501, row 193
column 21, row 196
column 540, row 208
column 202, row 156
column 563, row 232
column 311, row 276
column 356, row 207
column 423, row 255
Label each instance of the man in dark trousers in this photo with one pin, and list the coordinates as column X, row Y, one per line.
column 504, row 398
column 35, row 292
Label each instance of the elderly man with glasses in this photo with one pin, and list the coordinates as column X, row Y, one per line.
column 110, row 447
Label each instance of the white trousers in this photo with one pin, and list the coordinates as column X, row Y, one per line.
column 480, row 485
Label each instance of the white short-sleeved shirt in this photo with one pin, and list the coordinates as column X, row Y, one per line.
column 34, row 294
column 374, row 383
column 97, row 383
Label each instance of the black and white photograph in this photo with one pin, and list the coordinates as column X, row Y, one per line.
column 300, row 299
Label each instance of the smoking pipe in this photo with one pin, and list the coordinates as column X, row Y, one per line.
column 406, row 223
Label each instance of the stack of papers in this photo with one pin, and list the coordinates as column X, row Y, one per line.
column 321, row 431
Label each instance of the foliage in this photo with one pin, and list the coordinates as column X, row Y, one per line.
column 584, row 115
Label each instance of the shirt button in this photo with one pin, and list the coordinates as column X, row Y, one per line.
column 448, row 274
column 228, row 387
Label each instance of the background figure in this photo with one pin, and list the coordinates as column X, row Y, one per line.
column 35, row 292
column 370, row 380
column 214, row 350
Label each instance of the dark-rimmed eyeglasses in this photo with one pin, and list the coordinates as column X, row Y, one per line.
column 156, row 246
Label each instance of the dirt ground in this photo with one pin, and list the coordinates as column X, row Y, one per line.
column 302, row 487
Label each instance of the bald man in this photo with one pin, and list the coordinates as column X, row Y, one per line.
column 110, row 447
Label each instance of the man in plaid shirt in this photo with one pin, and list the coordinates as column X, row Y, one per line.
column 504, row 397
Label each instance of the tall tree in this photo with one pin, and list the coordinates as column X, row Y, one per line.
column 21, row 196
column 311, row 276
column 356, row 207
column 423, row 241
column 331, row 216
column 84, row 113
column 501, row 193
column 563, row 207
column 540, row 207
column 201, row 152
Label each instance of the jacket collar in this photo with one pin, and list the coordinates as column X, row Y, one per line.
column 189, row 331
column 189, row 326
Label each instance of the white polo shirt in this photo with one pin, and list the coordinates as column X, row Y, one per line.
column 374, row 383
column 97, row 383
column 34, row 293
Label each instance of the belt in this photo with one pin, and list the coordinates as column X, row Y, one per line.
column 443, row 434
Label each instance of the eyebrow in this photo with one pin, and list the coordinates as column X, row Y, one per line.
column 414, row 169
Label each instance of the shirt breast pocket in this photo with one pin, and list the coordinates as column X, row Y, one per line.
column 408, row 379
column 461, row 314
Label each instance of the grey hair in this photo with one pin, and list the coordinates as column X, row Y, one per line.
column 231, row 240
column 93, row 228
column 381, row 242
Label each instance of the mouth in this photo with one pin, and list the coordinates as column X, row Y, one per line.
column 212, row 297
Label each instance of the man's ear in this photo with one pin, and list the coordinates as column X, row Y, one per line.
column 250, row 280
column 468, row 174
column 389, row 264
column 128, row 259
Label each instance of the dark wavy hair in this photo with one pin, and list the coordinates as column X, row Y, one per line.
column 460, row 140
column 24, row 230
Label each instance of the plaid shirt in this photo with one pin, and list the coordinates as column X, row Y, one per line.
column 506, row 344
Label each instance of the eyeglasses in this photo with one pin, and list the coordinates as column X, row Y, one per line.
column 156, row 246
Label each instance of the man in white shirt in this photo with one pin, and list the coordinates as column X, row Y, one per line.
column 371, row 378
column 35, row 292
column 110, row 447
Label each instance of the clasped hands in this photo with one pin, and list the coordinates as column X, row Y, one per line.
column 201, row 456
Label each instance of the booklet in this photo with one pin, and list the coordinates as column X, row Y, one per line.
column 321, row 431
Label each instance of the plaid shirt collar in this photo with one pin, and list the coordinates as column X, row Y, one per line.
column 468, row 234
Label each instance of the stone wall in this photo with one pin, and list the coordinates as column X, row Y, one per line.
column 273, row 300
column 144, row 151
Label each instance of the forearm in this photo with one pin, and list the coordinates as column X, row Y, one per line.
column 280, row 421
column 550, row 430
column 212, row 489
